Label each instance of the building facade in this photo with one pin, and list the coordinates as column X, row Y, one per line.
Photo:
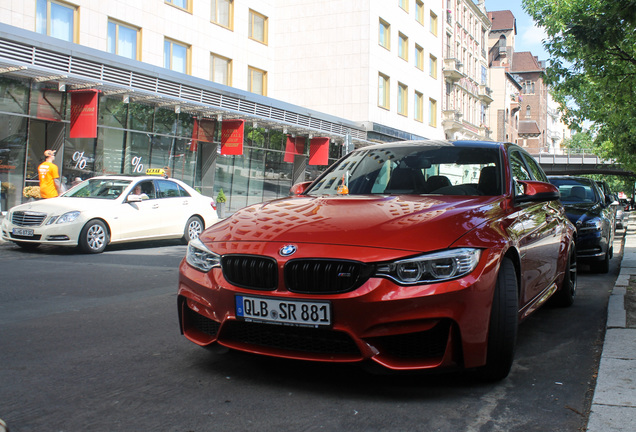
column 467, row 92
column 169, row 74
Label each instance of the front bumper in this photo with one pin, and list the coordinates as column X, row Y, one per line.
column 416, row 327
column 56, row 234
column 591, row 246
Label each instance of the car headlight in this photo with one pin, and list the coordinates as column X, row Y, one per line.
column 200, row 257
column 434, row 267
column 591, row 225
column 65, row 218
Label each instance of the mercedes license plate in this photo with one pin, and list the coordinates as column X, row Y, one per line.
column 289, row 312
column 22, row 232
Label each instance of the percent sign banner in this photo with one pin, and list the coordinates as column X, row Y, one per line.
column 138, row 167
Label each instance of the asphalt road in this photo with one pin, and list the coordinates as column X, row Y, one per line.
column 92, row 343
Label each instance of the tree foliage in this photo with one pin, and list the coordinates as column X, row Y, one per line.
column 592, row 70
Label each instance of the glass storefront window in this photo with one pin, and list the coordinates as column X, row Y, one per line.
column 47, row 103
column 112, row 112
column 256, row 180
column 184, row 161
column 79, row 160
column 132, row 137
column 13, row 136
column 166, row 121
column 140, row 116
column 185, row 125
column 110, row 151
column 137, row 155
column 14, row 96
column 278, row 175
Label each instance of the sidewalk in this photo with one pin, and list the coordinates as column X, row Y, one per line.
column 614, row 403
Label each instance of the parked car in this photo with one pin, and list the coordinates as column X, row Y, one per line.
column 611, row 199
column 593, row 217
column 414, row 255
column 105, row 210
column 620, row 217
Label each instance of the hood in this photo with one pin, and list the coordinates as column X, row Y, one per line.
column 582, row 211
column 404, row 223
column 63, row 204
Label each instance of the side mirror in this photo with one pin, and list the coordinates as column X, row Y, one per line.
column 299, row 188
column 133, row 198
column 536, row 191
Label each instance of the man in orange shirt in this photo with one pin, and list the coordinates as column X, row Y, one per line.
column 49, row 176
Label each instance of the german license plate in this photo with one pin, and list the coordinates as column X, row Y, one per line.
column 23, row 232
column 289, row 312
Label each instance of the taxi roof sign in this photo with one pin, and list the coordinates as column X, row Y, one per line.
column 156, row 171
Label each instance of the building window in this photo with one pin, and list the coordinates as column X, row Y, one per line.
column 176, row 56
column 383, row 91
column 419, row 11
column 257, row 81
column 258, row 27
column 419, row 57
column 403, row 46
column 221, row 69
column 528, row 111
column 223, row 13
column 123, row 40
column 403, row 99
column 419, row 106
column 384, row 37
column 432, row 112
column 433, row 23
column 56, row 19
column 182, row 4
column 404, row 4
column 433, row 66
column 528, row 87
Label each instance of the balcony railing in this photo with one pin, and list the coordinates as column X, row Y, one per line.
column 453, row 69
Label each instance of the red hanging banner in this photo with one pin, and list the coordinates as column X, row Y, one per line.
column 232, row 137
column 293, row 147
column 319, row 151
column 83, row 114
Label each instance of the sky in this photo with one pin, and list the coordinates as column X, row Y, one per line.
column 528, row 35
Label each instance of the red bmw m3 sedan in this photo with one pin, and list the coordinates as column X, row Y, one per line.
column 413, row 255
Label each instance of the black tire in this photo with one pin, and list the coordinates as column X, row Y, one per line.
column 27, row 245
column 504, row 321
column 94, row 237
column 602, row 266
column 564, row 297
column 194, row 227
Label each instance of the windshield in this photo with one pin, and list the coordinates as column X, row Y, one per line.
column 99, row 188
column 574, row 191
column 414, row 169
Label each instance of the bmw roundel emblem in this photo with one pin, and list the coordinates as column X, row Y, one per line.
column 287, row 250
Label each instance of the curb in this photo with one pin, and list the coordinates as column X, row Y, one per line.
column 614, row 403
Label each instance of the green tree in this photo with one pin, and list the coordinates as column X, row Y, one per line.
column 592, row 70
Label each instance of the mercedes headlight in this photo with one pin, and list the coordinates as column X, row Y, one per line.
column 65, row 218
column 433, row 267
column 200, row 257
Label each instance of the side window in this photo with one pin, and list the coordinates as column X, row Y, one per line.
column 168, row 189
column 536, row 170
column 144, row 187
column 519, row 170
column 183, row 192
